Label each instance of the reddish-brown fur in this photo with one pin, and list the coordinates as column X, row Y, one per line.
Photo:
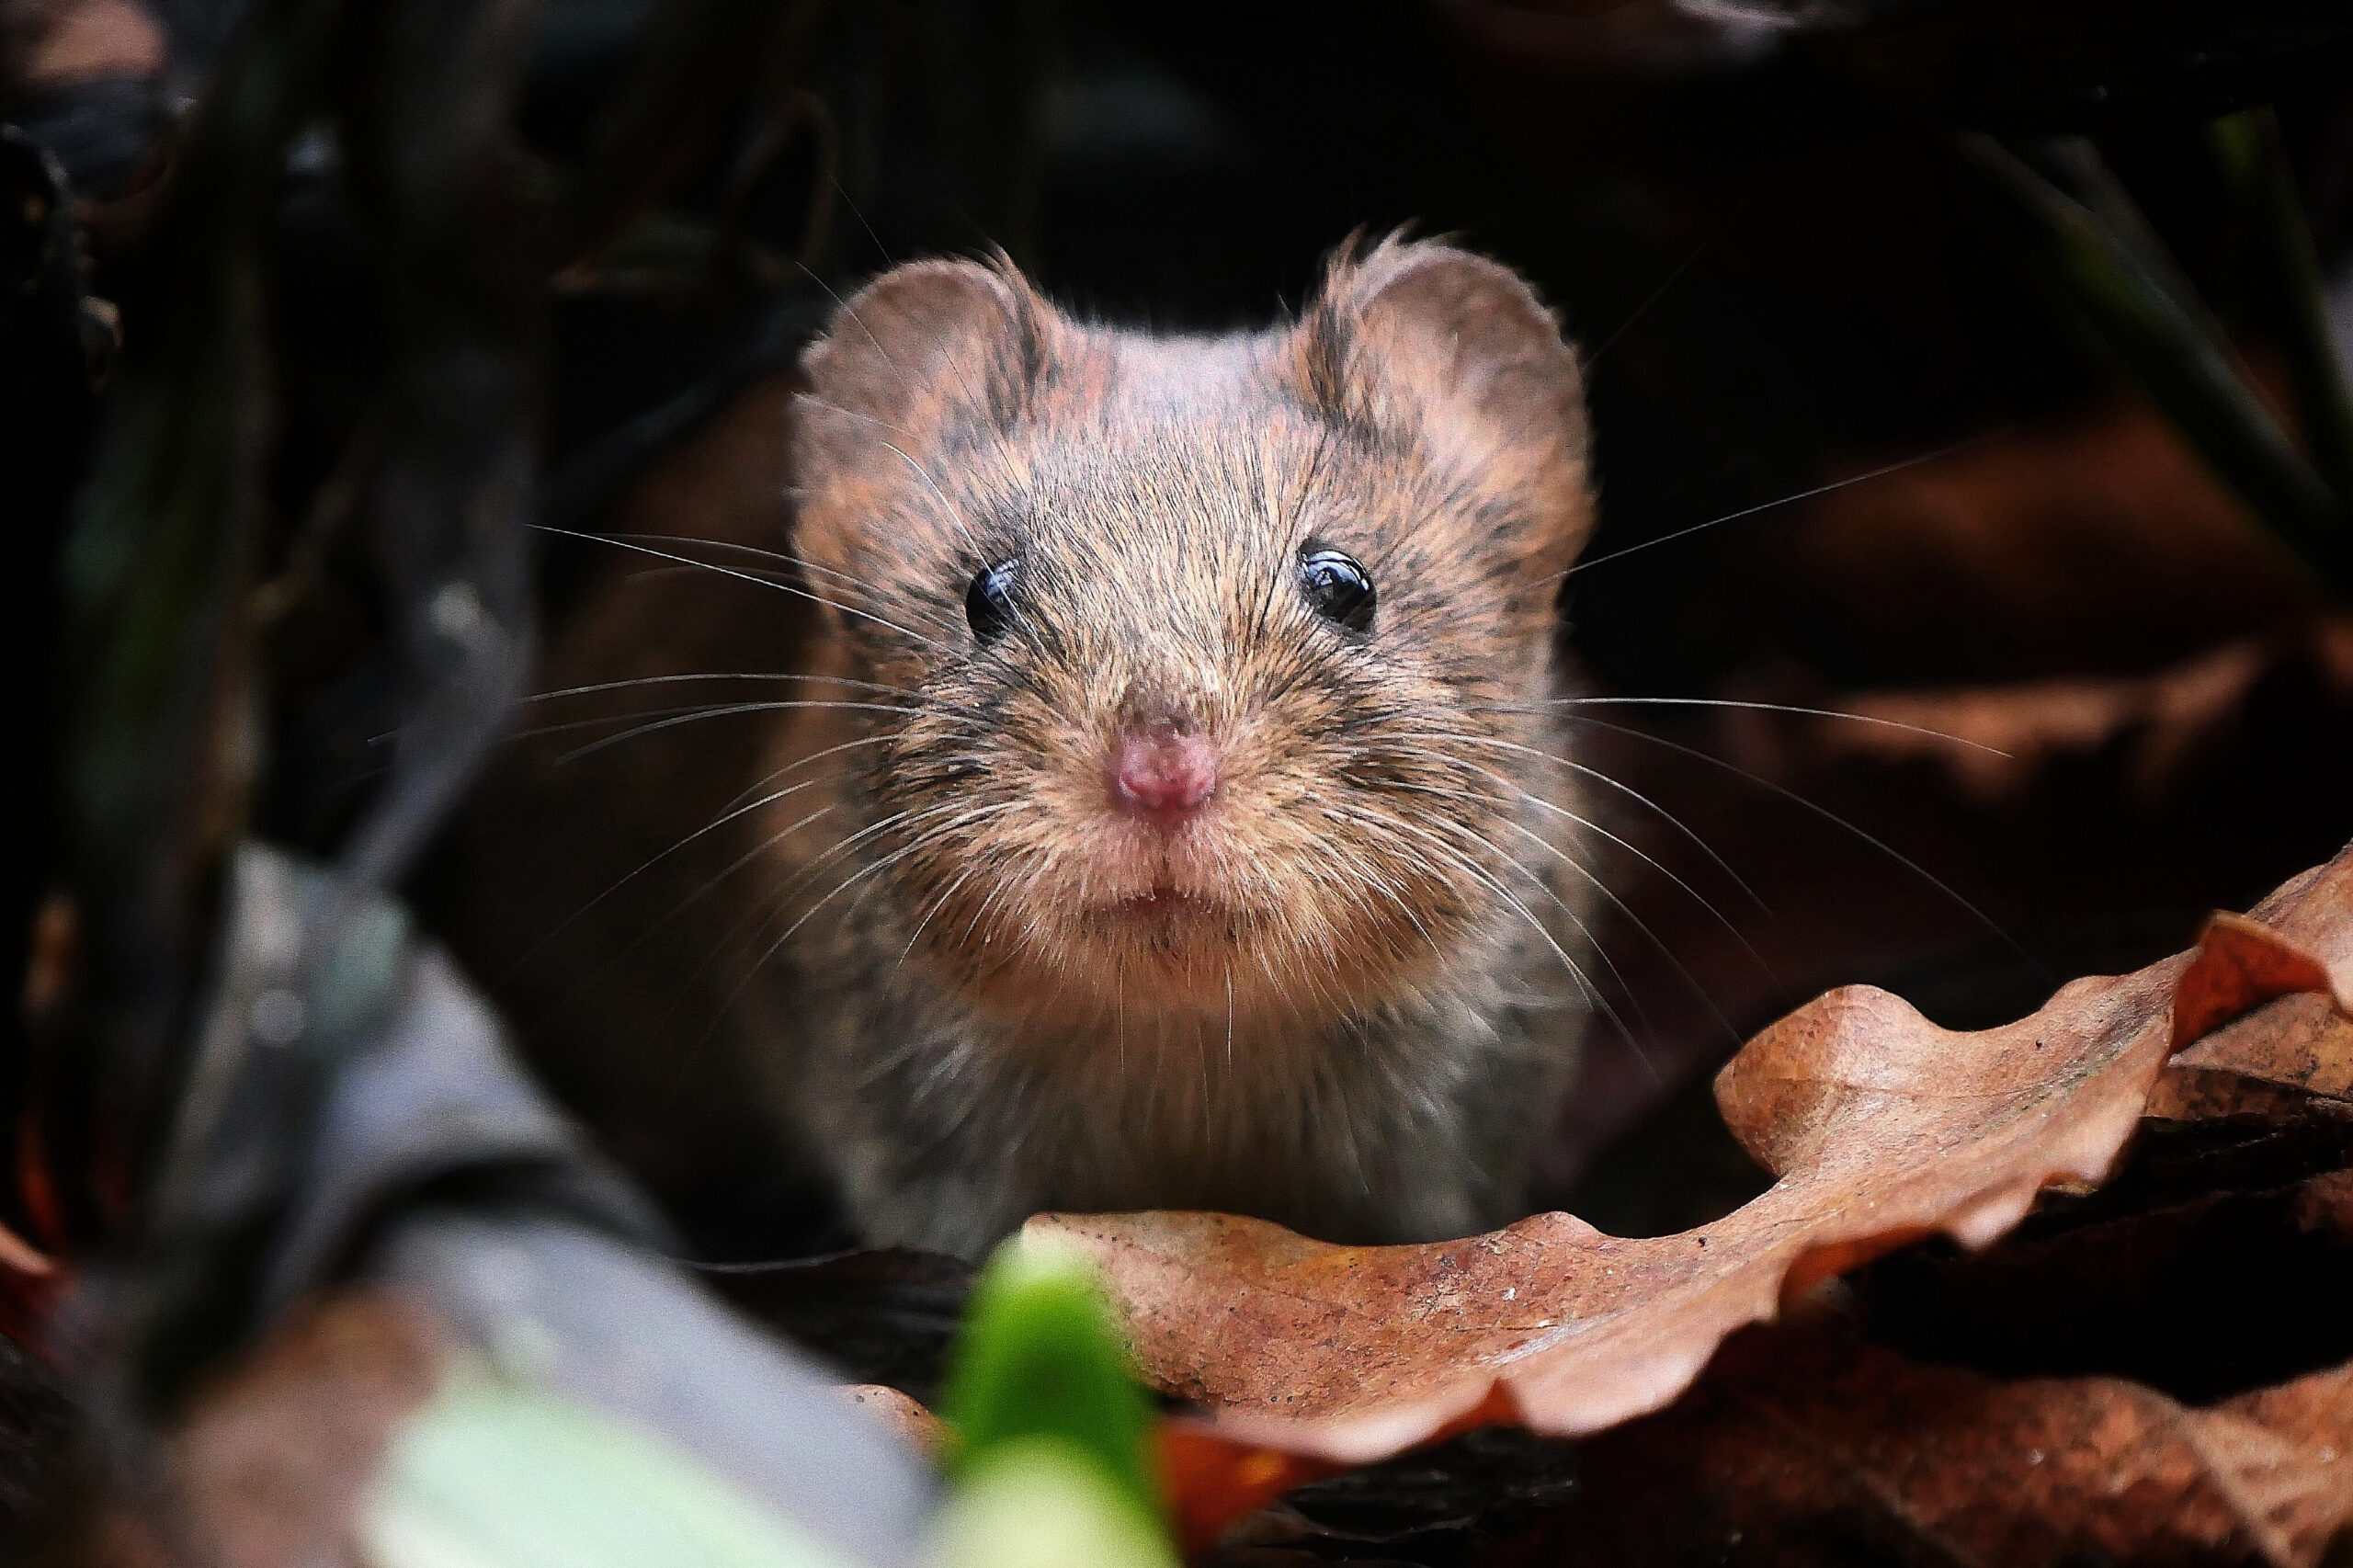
column 858, row 889
column 1335, row 989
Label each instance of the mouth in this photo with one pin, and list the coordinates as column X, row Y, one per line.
column 1164, row 911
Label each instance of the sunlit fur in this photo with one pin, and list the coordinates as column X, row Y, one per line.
column 1342, row 996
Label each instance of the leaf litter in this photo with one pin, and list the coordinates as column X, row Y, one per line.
column 1807, row 1437
column 1709, row 1428
column 1881, row 1129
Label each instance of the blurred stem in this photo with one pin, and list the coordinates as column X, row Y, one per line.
column 2254, row 165
column 2142, row 316
column 155, row 529
column 156, row 586
column 2085, row 176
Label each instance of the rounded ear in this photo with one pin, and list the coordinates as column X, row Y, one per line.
column 1419, row 339
column 919, row 359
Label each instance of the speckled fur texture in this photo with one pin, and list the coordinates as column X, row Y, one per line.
column 1344, row 996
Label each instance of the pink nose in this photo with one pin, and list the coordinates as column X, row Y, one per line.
column 1163, row 774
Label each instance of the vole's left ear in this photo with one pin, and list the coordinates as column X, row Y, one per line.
column 929, row 360
column 1420, row 338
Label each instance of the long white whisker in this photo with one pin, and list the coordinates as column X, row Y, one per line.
column 896, row 819
column 809, row 874
column 711, row 826
column 757, row 785
column 1628, row 790
column 971, row 540
column 1778, row 708
column 1639, row 924
column 1592, row 361
column 1662, row 869
column 954, row 516
column 872, row 869
column 686, row 710
column 1229, row 1016
column 1576, row 866
column 848, row 581
column 1694, row 893
column 594, row 686
column 1881, row 472
column 1583, row 930
column 844, row 306
column 791, row 588
column 689, row 716
column 1584, row 982
column 754, row 853
column 1792, row 796
column 936, row 905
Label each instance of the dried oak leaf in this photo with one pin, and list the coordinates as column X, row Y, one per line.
column 898, row 1412
column 49, row 44
column 2266, row 1007
column 1207, row 1480
column 29, row 1284
column 1804, row 1437
column 1882, row 1128
column 271, row 1465
column 2149, row 738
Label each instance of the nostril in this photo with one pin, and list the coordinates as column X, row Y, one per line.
column 1163, row 774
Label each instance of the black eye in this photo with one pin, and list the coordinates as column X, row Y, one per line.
column 1336, row 585
column 988, row 601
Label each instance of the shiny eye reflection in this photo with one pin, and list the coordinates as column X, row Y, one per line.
column 988, row 600
column 1337, row 586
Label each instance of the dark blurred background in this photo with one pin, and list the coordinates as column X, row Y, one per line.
column 1752, row 216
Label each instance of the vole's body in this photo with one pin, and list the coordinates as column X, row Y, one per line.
column 1333, row 987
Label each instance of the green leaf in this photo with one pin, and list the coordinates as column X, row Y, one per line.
column 494, row 1474
column 1042, row 1356
column 1040, row 1502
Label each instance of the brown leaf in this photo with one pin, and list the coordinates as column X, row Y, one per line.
column 1206, row 1480
column 2242, row 963
column 2126, row 805
column 1808, row 1436
column 1209, row 1481
column 29, row 1284
column 900, row 1412
column 2303, row 1043
column 1882, row 1128
column 2099, row 543
column 271, row 1463
column 48, row 44
column 1998, row 745
column 2204, row 1267
column 2264, row 1024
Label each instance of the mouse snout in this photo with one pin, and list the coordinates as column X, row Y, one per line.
column 1163, row 771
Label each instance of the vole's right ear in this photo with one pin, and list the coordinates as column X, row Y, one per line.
column 922, row 352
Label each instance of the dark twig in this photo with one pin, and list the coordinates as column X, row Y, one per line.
column 2246, row 147
column 158, row 571
column 2141, row 316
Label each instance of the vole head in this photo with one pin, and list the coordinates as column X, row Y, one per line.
column 1220, row 662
